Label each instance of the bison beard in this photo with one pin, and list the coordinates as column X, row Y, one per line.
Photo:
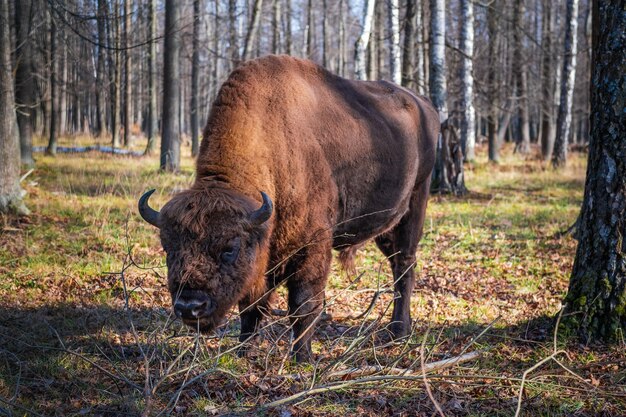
column 341, row 161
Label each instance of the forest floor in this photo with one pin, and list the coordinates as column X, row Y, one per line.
column 86, row 326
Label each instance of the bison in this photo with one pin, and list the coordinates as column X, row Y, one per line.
column 295, row 162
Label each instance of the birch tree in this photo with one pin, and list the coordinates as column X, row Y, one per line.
column 468, row 120
column 10, row 190
column 360, row 48
column 597, row 289
column 564, row 119
column 394, row 27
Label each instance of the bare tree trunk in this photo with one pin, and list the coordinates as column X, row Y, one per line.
column 288, row 40
column 252, row 29
column 597, row 289
column 10, row 191
column 62, row 87
column 548, row 129
column 233, row 34
column 195, row 68
column 492, row 118
column 420, row 45
column 101, row 71
column 217, row 73
column 309, row 30
column 127, row 72
column 342, row 42
column 394, row 26
column 275, row 27
column 24, row 79
column 468, row 121
column 448, row 173
column 153, row 125
column 326, row 18
column 363, row 40
column 52, row 131
column 170, row 134
column 521, row 77
column 115, row 65
column 408, row 57
column 564, row 119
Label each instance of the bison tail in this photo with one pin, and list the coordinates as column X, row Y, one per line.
column 346, row 258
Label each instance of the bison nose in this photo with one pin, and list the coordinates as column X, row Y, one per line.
column 194, row 308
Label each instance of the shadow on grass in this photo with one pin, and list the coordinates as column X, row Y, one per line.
column 65, row 360
column 77, row 361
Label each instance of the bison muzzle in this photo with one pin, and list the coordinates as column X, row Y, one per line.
column 296, row 162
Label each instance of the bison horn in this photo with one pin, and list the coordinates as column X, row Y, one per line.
column 261, row 215
column 148, row 213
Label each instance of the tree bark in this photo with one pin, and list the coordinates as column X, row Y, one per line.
column 170, row 134
column 363, row 40
column 127, row 72
column 341, row 64
column 252, row 29
column 275, row 27
column 564, row 119
column 408, row 57
column 233, row 35
column 444, row 179
column 597, row 290
column 10, row 191
column 24, row 79
column 195, row 68
column 492, row 90
column 288, row 39
column 309, row 30
column 153, row 125
column 325, row 43
column 420, row 63
column 52, row 131
column 101, row 122
column 393, row 15
column 548, row 127
column 521, row 77
column 468, row 120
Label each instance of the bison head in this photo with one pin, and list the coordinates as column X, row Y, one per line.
column 214, row 240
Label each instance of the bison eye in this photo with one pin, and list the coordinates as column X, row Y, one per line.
column 229, row 254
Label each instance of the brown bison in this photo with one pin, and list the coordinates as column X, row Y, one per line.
column 295, row 162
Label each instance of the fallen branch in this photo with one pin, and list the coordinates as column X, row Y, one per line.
column 391, row 374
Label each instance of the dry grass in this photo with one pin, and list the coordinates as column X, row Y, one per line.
column 86, row 325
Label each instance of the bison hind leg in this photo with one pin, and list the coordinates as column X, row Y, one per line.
column 400, row 245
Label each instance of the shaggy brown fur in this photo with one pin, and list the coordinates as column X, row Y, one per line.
column 343, row 161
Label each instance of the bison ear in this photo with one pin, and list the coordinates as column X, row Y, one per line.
column 263, row 214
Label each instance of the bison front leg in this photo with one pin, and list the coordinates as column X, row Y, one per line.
column 306, row 296
column 251, row 310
